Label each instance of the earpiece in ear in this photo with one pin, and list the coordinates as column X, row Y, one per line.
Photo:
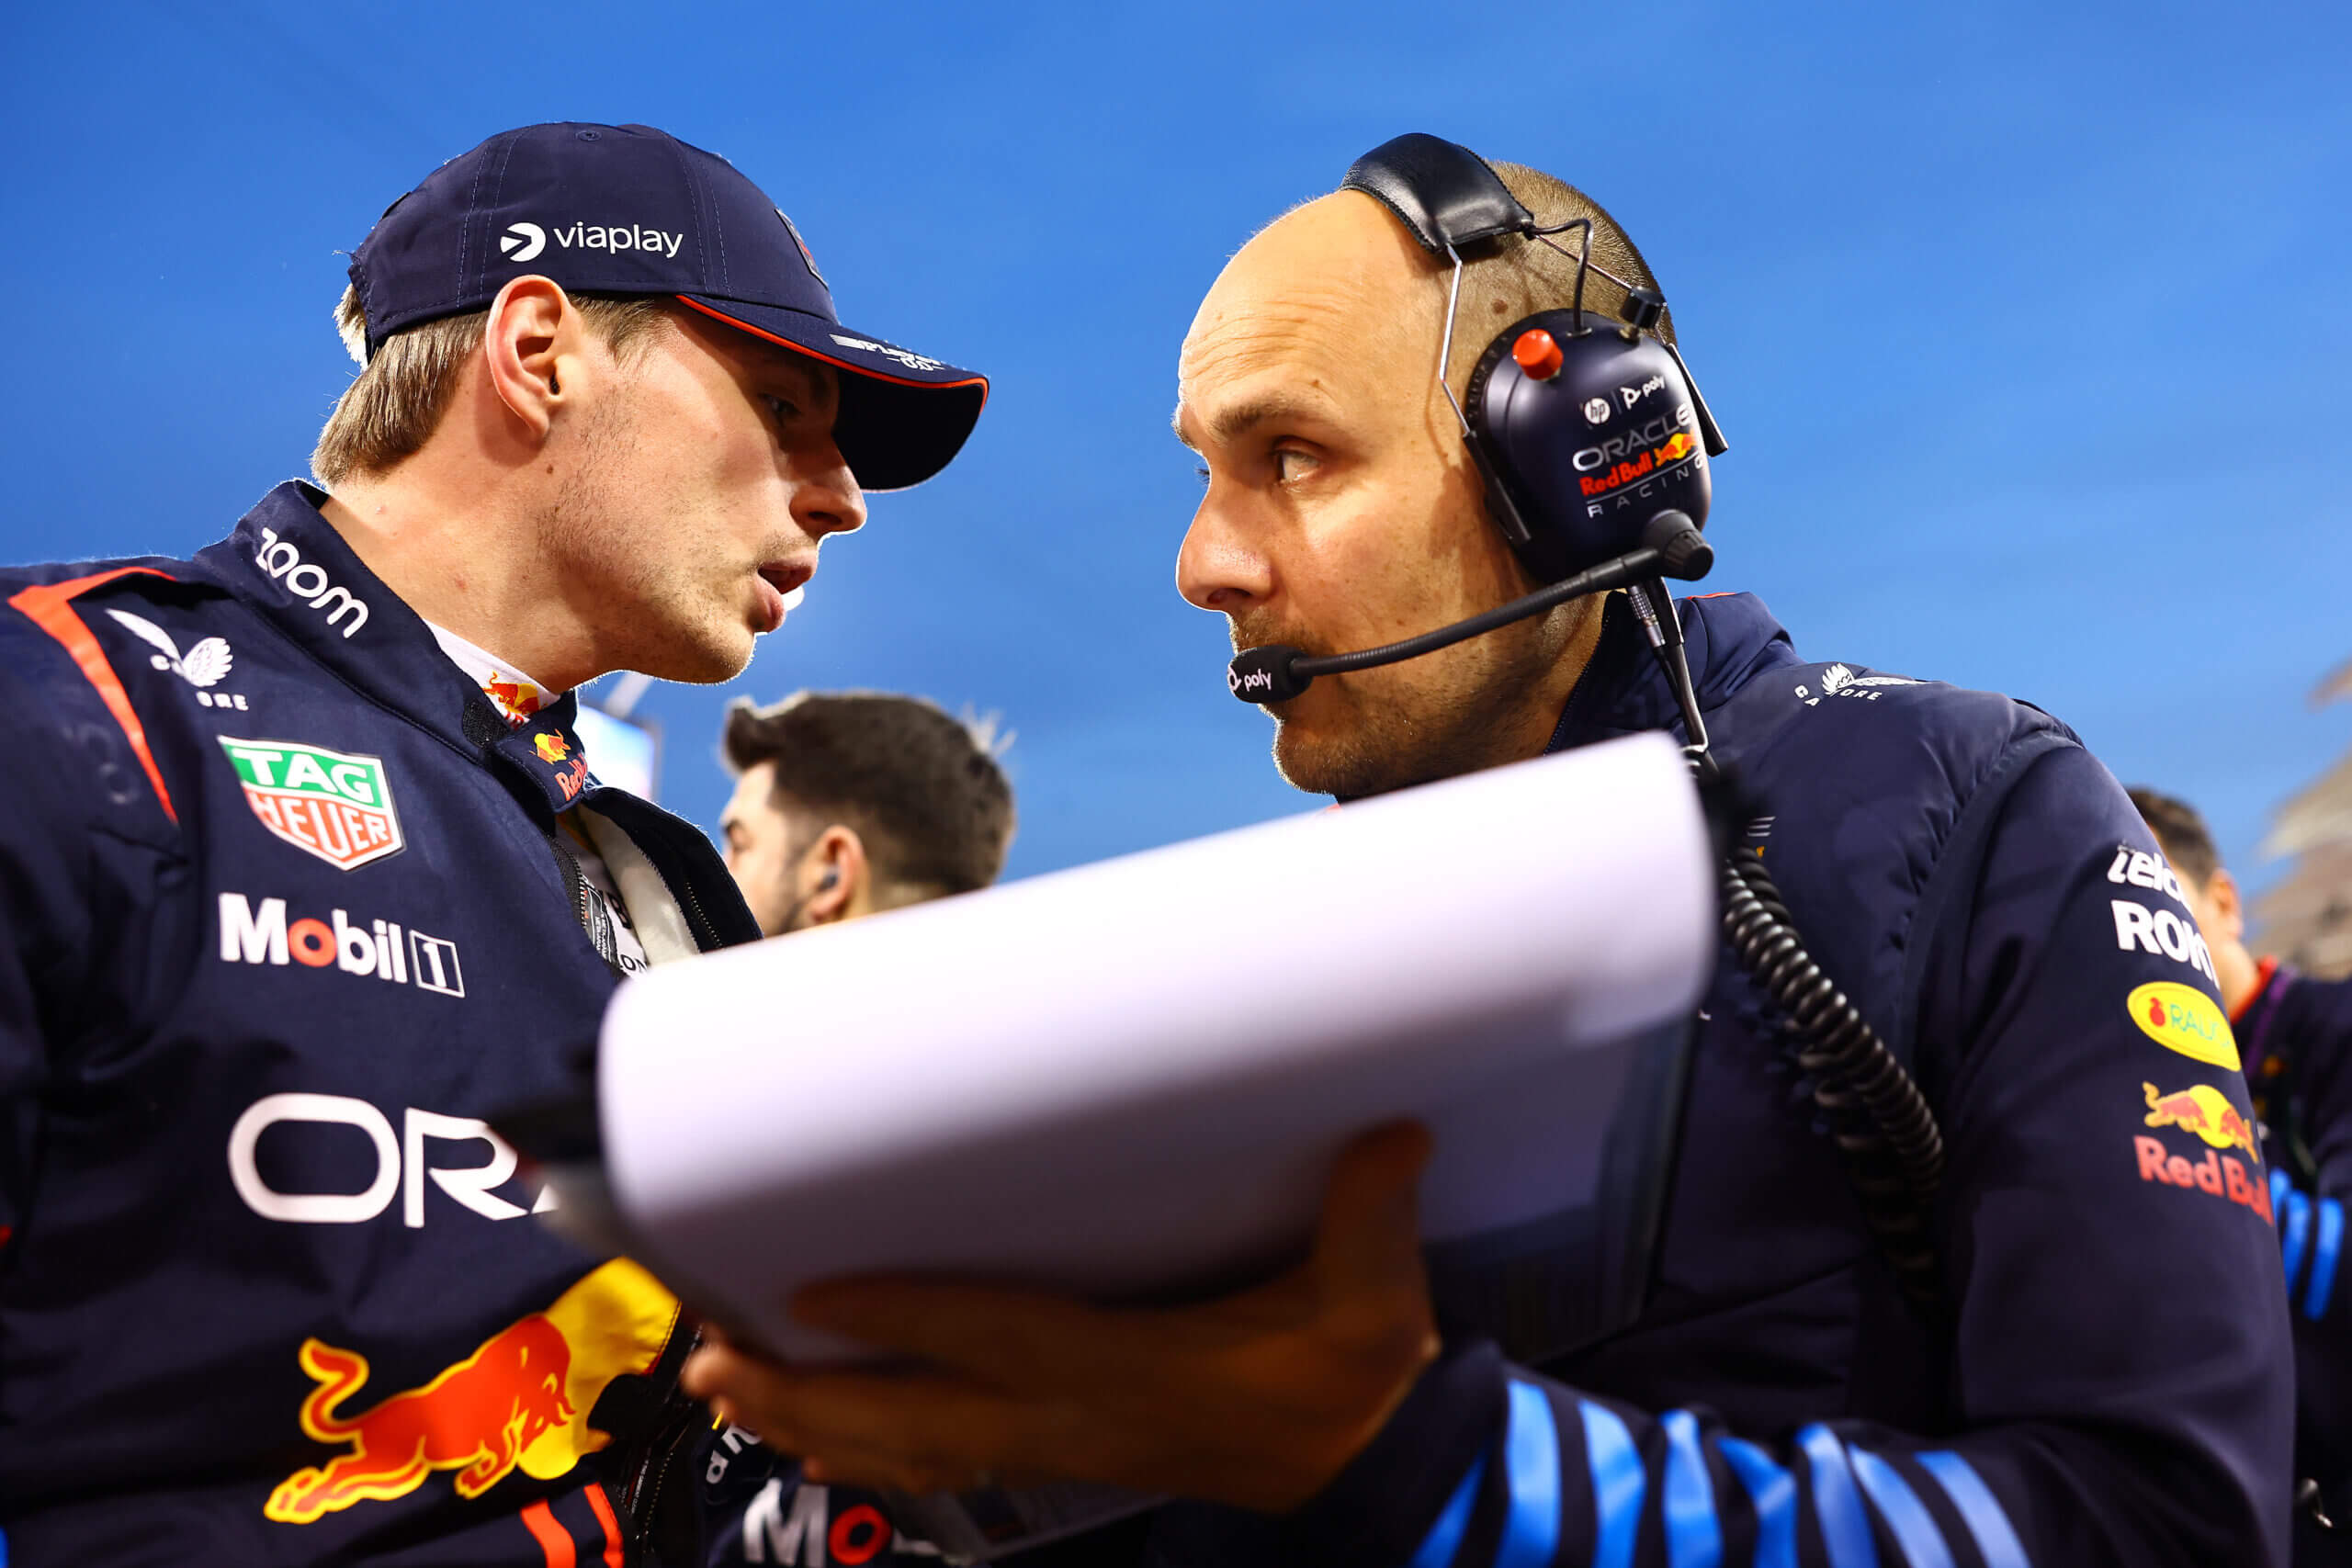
column 833, row 875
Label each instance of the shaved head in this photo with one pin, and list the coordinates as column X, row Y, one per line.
column 1344, row 510
column 1339, row 271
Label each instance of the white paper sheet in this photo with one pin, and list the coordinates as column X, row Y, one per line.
column 1132, row 1076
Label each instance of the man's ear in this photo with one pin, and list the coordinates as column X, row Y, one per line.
column 835, row 874
column 531, row 344
column 2229, row 914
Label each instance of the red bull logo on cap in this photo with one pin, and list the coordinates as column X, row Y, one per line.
column 519, row 1402
column 2205, row 1110
column 2184, row 1018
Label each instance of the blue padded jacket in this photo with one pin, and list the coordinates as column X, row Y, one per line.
column 2114, row 1385
column 287, row 916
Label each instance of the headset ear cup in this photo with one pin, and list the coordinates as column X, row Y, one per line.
column 1522, row 526
column 1589, row 454
column 1500, row 506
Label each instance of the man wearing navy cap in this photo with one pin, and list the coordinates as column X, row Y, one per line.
column 305, row 875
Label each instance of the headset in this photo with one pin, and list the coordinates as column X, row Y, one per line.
column 1592, row 442
column 1590, row 436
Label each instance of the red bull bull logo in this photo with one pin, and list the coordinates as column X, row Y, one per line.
column 517, row 697
column 519, row 1402
column 2210, row 1114
column 2205, row 1110
column 550, row 748
column 476, row 1418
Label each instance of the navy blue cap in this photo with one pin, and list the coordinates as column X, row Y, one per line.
column 628, row 209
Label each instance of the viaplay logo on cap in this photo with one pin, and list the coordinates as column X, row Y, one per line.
column 524, row 241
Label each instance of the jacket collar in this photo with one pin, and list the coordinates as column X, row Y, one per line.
column 1730, row 638
column 290, row 566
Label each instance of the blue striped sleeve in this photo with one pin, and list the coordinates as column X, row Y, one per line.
column 1444, row 1539
column 1693, row 1539
column 1531, row 1465
column 2325, row 1247
column 1772, row 1491
column 1836, row 1503
column 2294, row 1234
column 1996, row 1540
column 1914, row 1528
column 1617, row 1486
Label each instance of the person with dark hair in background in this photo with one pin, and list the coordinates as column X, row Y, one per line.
column 850, row 802
column 846, row 804
column 2296, row 1034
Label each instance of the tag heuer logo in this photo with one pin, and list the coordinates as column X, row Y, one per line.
column 339, row 808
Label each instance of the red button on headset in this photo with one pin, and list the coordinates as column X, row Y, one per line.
column 1537, row 353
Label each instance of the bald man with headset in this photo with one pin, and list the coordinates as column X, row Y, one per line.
column 2053, row 1332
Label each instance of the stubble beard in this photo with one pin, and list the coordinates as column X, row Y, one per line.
column 1435, row 717
column 648, row 616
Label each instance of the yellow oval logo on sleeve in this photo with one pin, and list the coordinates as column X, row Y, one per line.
column 2184, row 1018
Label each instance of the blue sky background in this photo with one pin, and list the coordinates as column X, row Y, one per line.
column 2028, row 321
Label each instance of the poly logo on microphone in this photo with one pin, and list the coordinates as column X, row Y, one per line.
column 521, row 241
column 1635, row 394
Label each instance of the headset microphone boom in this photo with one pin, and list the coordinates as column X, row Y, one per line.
column 1671, row 547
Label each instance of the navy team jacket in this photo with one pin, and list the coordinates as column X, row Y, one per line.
column 285, row 922
column 2297, row 1034
column 2115, row 1388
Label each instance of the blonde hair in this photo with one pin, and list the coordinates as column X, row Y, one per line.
column 395, row 403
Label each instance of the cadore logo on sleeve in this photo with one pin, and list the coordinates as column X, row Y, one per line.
column 337, row 806
column 2184, row 1018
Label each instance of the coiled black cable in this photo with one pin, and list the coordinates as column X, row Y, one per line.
column 1882, row 1122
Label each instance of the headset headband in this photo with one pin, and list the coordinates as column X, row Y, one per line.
column 1444, row 193
column 1450, row 200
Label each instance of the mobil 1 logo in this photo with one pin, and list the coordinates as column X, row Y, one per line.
column 261, row 933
